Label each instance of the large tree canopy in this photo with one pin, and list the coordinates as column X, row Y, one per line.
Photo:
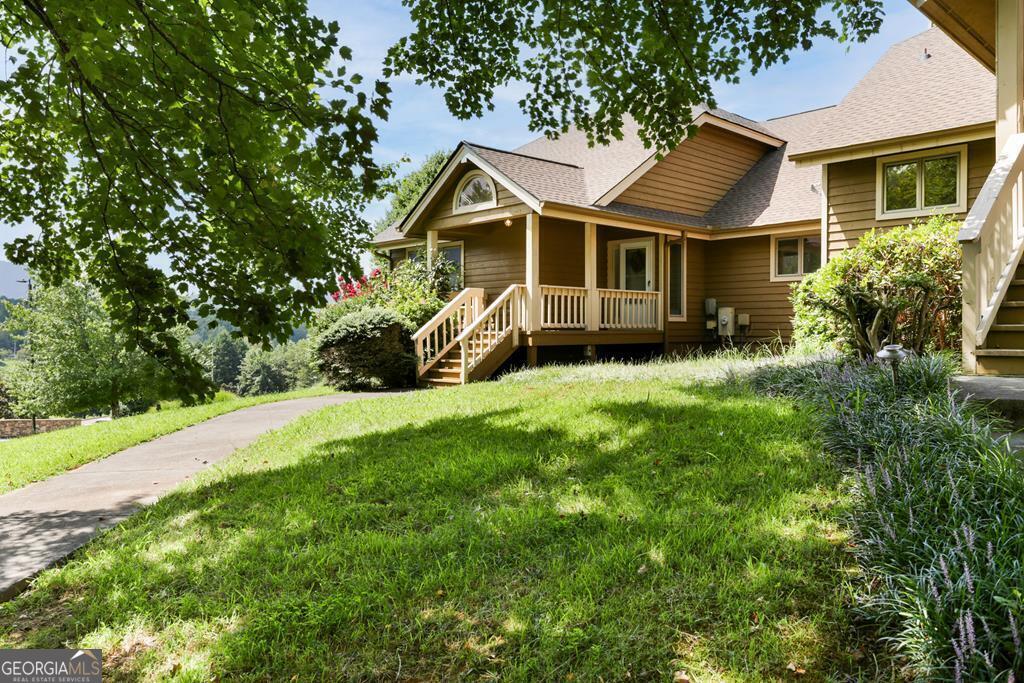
column 589, row 64
column 224, row 136
column 192, row 130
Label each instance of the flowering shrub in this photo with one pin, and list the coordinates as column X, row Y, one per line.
column 413, row 290
column 937, row 515
column 898, row 286
column 356, row 287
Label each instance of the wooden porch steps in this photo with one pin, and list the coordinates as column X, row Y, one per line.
column 447, row 371
column 1003, row 351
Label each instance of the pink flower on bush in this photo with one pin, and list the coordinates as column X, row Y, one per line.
column 351, row 288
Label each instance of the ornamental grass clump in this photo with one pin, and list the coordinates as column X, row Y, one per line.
column 938, row 512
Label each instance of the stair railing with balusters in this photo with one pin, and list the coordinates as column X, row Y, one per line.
column 499, row 320
column 992, row 238
column 441, row 332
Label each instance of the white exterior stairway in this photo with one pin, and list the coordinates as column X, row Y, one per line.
column 992, row 238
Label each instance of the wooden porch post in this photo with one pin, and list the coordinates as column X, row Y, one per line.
column 431, row 247
column 533, row 297
column 662, row 282
column 593, row 313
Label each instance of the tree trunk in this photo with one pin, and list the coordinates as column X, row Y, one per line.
column 115, row 402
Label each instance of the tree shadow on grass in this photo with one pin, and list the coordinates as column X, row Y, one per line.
column 626, row 537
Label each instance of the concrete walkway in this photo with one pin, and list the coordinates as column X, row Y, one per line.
column 45, row 522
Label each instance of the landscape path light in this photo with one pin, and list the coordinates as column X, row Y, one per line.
column 893, row 354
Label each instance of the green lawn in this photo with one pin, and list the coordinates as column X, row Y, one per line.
column 31, row 458
column 558, row 525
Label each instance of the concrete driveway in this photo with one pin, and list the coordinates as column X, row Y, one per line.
column 45, row 522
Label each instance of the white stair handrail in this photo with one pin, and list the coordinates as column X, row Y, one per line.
column 501, row 318
column 439, row 334
column 992, row 238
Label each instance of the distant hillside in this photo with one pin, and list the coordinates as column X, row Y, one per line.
column 10, row 288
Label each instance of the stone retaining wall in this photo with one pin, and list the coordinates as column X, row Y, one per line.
column 14, row 428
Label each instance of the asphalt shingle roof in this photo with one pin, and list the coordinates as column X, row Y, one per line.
column 904, row 94
column 907, row 93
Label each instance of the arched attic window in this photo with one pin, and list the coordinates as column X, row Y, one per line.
column 475, row 191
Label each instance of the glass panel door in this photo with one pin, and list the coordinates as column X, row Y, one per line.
column 635, row 266
column 636, row 273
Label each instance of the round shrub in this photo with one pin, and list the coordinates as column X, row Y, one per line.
column 898, row 286
column 367, row 349
column 264, row 372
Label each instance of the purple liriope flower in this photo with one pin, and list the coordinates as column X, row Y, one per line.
column 969, row 621
column 910, row 516
column 987, row 658
column 956, row 646
column 934, row 590
column 988, row 631
column 958, row 672
column 968, row 578
column 1014, row 633
column 886, row 479
column 945, row 572
column 991, row 554
column 869, row 480
column 968, row 535
column 1011, row 678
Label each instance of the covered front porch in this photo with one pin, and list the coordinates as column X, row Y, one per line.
column 534, row 281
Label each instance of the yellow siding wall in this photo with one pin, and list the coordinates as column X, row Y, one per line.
column 695, row 175
column 852, row 187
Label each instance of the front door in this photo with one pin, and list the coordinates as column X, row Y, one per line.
column 636, row 266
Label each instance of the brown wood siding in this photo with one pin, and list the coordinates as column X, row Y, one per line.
column 851, row 194
column 738, row 275
column 561, row 253
column 691, row 331
column 495, row 256
column 695, row 175
column 442, row 206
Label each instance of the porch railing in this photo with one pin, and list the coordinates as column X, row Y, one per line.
column 623, row 309
column 563, row 308
column 992, row 239
column 439, row 334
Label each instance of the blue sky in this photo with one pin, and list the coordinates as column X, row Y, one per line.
column 420, row 123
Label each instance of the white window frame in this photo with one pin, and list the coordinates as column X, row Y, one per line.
column 466, row 179
column 919, row 157
column 774, row 273
column 668, row 278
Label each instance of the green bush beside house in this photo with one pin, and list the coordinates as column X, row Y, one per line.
column 896, row 286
